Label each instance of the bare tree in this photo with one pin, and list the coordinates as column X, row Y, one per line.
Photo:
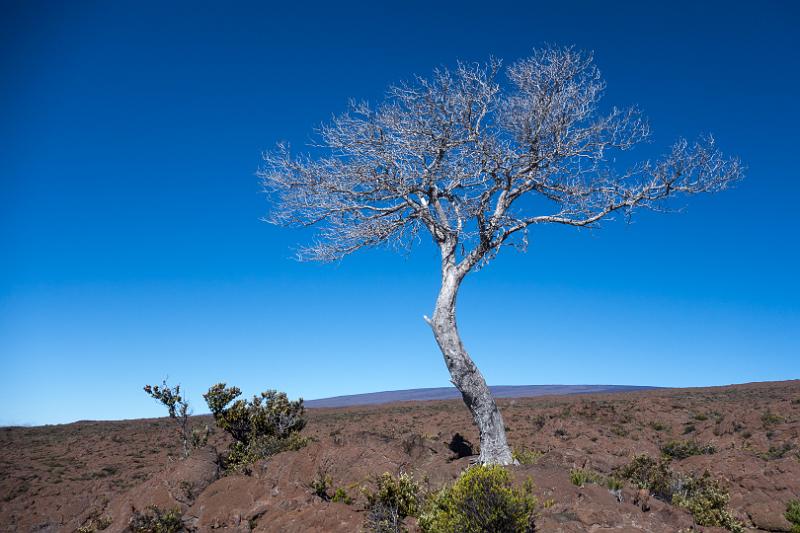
column 475, row 162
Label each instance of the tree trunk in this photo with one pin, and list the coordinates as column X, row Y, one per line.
column 466, row 376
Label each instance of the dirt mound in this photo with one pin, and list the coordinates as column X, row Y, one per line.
column 59, row 478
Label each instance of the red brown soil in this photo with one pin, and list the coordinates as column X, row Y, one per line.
column 57, row 478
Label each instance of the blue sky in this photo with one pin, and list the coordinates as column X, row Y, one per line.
column 131, row 247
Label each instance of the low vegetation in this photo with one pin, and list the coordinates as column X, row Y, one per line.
column 702, row 496
column 482, row 499
column 178, row 409
column 581, row 477
column 261, row 427
column 770, row 419
column 525, row 456
column 707, row 500
column 681, row 449
column 793, row 515
column 95, row 523
column 394, row 499
column 156, row 520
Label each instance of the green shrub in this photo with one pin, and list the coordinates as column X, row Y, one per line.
column 481, row 500
column 580, row 477
column 340, row 496
column 793, row 515
column 777, row 452
column 770, row 419
column 703, row 496
column 155, row 520
column 613, row 484
column 320, row 485
column 707, row 500
column 395, row 498
column 400, row 492
column 178, row 409
column 266, row 425
column 652, row 474
column 681, row 449
column 525, row 456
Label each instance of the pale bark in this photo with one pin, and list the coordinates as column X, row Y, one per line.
column 464, row 374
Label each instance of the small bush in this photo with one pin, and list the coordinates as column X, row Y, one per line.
column 399, row 492
column 340, row 496
column 320, row 485
column 155, row 520
column 266, row 425
column 793, row 515
column 703, row 496
column 770, row 419
column 707, row 500
column 580, row 477
column 395, row 498
column 681, row 449
column 619, row 431
column 178, row 409
column 777, row 452
column 481, row 500
column 652, row 474
column 96, row 523
column 525, row 456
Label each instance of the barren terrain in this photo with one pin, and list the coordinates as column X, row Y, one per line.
column 61, row 478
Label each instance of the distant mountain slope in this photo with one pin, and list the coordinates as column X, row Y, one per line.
column 448, row 393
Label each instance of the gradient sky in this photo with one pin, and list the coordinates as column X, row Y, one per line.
column 131, row 247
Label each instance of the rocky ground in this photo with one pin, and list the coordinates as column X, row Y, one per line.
column 95, row 474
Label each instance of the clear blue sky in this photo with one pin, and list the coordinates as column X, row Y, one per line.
column 131, row 247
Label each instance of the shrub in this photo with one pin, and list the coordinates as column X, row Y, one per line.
column 266, row 425
column 394, row 499
column 320, row 485
column 340, row 495
column 178, row 409
column 777, row 452
column 581, row 476
column 481, row 500
column 770, row 419
column 396, row 492
column 703, row 496
column 707, row 500
column 156, row 520
column 793, row 515
column 96, row 523
column 652, row 474
column 525, row 456
column 681, row 449
column 613, row 484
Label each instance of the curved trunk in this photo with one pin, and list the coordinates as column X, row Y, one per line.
column 466, row 376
